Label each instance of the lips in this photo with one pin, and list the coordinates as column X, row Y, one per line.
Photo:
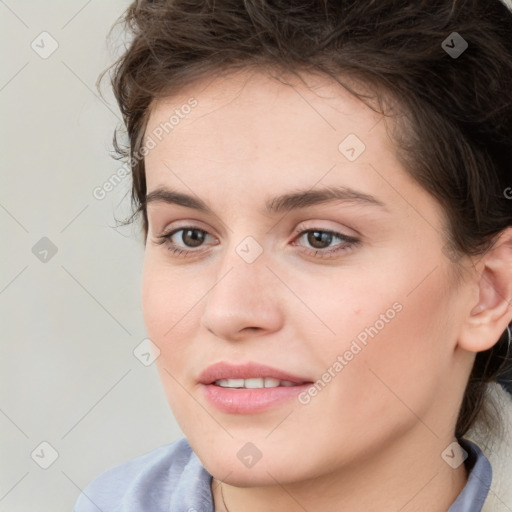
column 251, row 370
column 221, row 386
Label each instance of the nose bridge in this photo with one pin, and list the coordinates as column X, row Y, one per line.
column 243, row 294
column 246, row 252
column 243, row 272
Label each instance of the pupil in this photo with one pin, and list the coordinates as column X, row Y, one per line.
column 195, row 240
column 319, row 237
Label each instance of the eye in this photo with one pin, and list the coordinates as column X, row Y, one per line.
column 191, row 236
column 321, row 239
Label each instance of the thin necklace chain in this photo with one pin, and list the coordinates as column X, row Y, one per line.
column 222, row 496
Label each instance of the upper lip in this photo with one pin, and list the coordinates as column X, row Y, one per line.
column 223, row 370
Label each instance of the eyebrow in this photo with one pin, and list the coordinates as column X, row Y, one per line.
column 282, row 203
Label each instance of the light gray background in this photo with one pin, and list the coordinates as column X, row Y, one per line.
column 68, row 325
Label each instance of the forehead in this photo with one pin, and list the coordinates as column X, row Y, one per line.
column 258, row 100
column 248, row 120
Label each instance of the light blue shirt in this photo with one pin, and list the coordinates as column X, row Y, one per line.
column 171, row 478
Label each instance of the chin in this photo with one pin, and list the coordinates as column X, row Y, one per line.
column 265, row 472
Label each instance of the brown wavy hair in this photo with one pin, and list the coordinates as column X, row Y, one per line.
column 457, row 143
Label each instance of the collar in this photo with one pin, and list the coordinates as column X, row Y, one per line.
column 476, row 490
column 496, row 443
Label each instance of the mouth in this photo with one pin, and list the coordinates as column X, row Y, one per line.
column 249, row 388
column 249, row 375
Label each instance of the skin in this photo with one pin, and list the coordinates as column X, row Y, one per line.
column 372, row 439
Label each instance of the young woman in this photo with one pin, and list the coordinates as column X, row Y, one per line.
column 326, row 199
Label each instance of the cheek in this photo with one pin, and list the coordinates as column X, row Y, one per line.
column 167, row 302
column 395, row 350
column 167, row 299
column 392, row 317
column 156, row 301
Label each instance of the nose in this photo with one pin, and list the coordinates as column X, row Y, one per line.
column 245, row 299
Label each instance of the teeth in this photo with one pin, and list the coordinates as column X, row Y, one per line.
column 270, row 382
column 230, row 383
column 254, row 383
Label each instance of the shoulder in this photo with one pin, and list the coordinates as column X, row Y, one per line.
column 152, row 480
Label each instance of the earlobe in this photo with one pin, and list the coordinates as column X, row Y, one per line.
column 490, row 316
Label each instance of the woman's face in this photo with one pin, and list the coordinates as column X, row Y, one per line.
column 353, row 293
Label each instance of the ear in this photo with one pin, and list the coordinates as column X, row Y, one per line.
column 491, row 314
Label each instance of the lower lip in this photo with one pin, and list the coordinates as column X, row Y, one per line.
column 248, row 401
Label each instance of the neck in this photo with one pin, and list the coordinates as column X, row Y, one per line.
column 408, row 475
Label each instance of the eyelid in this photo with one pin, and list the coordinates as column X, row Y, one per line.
column 166, row 234
column 301, row 231
column 188, row 223
column 311, row 225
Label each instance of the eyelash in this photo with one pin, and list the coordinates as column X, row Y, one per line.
column 350, row 242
